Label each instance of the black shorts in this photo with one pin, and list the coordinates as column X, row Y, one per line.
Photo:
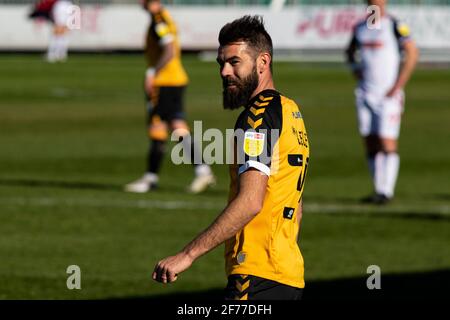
column 242, row 287
column 166, row 103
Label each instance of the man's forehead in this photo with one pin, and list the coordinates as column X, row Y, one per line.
column 237, row 48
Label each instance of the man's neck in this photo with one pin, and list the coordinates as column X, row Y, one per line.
column 264, row 85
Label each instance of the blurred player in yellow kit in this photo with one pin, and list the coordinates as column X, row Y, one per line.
column 261, row 223
column 165, row 84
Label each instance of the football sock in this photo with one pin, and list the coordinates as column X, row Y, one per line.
column 202, row 170
column 155, row 156
column 186, row 142
column 371, row 163
column 52, row 48
column 391, row 168
column 379, row 172
column 384, row 168
column 197, row 159
column 62, row 45
column 151, row 177
column 191, row 150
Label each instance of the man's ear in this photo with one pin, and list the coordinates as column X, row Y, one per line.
column 263, row 62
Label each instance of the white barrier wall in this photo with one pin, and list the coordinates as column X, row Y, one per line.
column 306, row 27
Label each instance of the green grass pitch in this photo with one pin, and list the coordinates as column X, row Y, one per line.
column 71, row 135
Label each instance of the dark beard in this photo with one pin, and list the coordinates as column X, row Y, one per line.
column 240, row 95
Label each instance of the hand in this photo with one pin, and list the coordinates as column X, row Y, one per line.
column 393, row 91
column 167, row 270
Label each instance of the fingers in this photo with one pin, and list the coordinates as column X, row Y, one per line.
column 167, row 270
column 163, row 273
column 159, row 274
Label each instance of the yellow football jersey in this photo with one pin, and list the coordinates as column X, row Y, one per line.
column 273, row 140
column 163, row 30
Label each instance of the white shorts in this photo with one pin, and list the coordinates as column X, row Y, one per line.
column 61, row 12
column 380, row 116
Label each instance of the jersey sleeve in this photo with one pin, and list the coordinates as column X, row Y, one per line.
column 354, row 41
column 162, row 30
column 258, row 130
column 402, row 31
column 352, row 47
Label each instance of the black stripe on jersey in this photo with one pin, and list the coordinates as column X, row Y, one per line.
column 288, row 213
column 257, row 110
column 263, row 114
column 398, row 36
column 295, row 160
column 156, row 18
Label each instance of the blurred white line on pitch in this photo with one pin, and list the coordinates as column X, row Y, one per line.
column 309, row 207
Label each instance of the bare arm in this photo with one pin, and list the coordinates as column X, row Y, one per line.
column 407, row 67
column 167, row 55
column 239, row 212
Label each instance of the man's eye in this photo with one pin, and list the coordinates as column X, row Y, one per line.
column 234, row 62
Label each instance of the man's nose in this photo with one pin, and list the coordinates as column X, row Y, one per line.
column 226, row 71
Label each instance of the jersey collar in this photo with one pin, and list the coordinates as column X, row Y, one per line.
column 265, row 93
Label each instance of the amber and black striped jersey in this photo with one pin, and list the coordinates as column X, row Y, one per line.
column 162, row 31
column 272, row 139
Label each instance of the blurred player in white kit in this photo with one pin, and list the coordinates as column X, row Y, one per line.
column 58, row 12
column 387, row 58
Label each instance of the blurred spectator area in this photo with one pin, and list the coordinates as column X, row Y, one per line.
column 242, row 2
column 312, row 33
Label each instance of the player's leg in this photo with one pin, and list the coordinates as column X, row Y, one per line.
column 389, row 133
column 203, row 174
column 62, row 43
column 368, row 123
column 376, row 161
column 158, row 135
column 59, row 41
column 182, row 134
column 248, row 287
column 391, row 166
column 51, row 55
column 158, row 132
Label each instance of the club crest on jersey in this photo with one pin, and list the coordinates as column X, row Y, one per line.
column 254, row 143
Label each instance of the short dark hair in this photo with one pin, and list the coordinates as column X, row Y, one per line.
column 249, row 29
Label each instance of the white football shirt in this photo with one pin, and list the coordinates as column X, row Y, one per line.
column 380, row 53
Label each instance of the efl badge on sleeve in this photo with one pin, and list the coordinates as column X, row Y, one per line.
column 162, row 29
column 403, row 29
column 254, row 143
